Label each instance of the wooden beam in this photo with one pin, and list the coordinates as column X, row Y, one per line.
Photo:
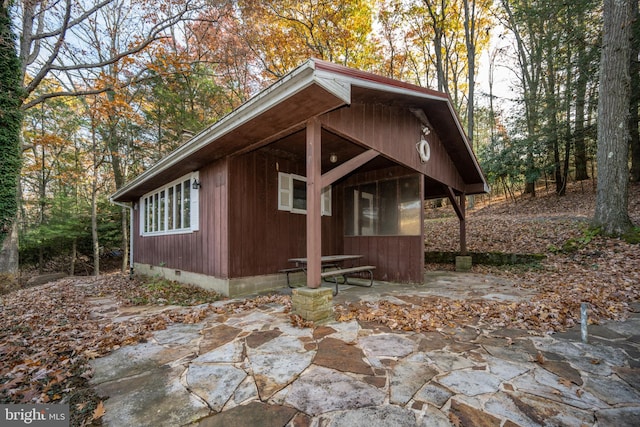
column 477, row 188
column 314, row 195
column 347, row 167
column 460, row 211
column 454, row 202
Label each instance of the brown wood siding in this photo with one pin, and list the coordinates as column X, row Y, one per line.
column 203, row 251
column 261, row 237
column 394, row 132
column 397, row 258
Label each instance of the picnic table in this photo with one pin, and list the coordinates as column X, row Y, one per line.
column 332, row 267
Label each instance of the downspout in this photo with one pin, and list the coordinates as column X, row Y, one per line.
column 131, row 218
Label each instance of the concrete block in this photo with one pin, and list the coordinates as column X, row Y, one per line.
column 463, row 263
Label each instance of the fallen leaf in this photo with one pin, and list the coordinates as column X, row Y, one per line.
column 99, row 411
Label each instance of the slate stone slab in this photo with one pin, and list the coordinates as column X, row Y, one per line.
column 434, row 418
column 321, row 390
column 253, row 414
column 612, row 391
column 257, row 338
column 245, row 391
column 280, row 344
column 449, row 361
column 433, row 341
column 153, row 399
column 604, row 332
column 433, row 394
column 508, row 353
column 346, row 331
column 274, row 371
column 336, row 354
column 214, row 383
column 383, row 416
column 501, row 405
column 466, row 415
column 544, row 384
column 470, row 382
column 563, row 370
column 134, row 360
column 178, row 334
column 387, row 345
column 630, row 375
column 547, row 412
column 232, row 352
column 619, row 417
column 216, row 336
column 506, row 370
column 406, row 379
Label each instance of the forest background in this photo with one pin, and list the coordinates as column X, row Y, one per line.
column 109, row 87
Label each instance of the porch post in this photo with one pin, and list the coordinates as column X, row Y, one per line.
column 463, row 226
column 314, row 212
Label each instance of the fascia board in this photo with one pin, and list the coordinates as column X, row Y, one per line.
column 399, row 90
column 337, row 86
column 466, row 144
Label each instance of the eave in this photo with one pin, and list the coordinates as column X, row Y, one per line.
column 310, row 90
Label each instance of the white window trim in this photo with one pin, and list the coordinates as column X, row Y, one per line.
column 194, row 211
column 285, row 195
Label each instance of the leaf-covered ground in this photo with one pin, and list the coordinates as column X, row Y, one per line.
column 50, row 332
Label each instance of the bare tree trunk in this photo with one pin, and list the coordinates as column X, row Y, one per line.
column 125, row 240
column 9, row 252
column 470, row 34
column 634, row 118
column 74, row 255
column 437, row 18
column 94, row 228
column 611, row 213
column 581, row 92
column 94, row 208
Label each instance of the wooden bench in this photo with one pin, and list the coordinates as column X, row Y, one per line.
column 345, row 272
column 287, row 271
column 290, row 270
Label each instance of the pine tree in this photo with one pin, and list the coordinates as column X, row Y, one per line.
column 10, row 124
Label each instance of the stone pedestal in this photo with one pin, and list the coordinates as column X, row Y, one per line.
column 315, row 305
column 463, row 263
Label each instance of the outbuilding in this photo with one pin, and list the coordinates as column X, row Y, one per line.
column 327, row 160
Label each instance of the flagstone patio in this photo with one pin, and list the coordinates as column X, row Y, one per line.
column 255, row 368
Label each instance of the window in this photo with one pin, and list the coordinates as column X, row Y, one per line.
column 171, row 209
column 292, row 194
column 383, row 208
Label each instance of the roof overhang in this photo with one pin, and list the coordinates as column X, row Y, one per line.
column 310, row 90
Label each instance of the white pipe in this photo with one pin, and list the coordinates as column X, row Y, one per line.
column 583, row 322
